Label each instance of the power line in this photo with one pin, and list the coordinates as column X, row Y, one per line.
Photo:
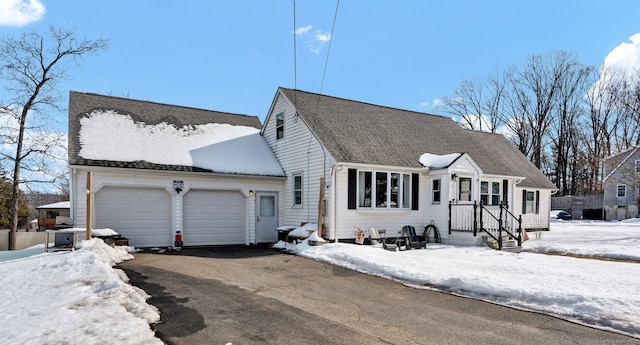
column 326, row 62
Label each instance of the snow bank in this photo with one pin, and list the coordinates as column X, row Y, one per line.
column 73, row 297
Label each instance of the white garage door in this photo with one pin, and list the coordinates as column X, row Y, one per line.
column 214, row 217
column 143, row 215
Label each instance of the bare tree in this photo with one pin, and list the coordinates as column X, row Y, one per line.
column 564, row 131
column 31, row 68
column 535, row 88
column 477, row 103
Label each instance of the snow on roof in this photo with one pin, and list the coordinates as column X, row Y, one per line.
column 225, row 148
column 61, row 204
column 432, row 161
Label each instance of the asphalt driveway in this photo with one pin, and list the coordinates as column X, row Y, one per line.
column 257, row 295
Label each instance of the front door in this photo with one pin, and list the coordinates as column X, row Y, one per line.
column 266, row 217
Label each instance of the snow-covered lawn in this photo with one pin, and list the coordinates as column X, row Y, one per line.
column 595, row 292
column 72, row 297
column 79, row 298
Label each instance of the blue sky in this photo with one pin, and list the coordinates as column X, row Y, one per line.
column 232, row 55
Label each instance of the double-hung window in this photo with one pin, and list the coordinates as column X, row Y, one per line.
column 530, row 201
column 280, row 126
column 622, row 191
column 637, row 165
column 435, row 190
column 490, row 192
column 297, row 190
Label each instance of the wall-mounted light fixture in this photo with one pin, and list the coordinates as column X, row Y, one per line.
column 251, row 193
column 454, row 176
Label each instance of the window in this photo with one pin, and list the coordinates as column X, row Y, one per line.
column 464, row 190
column 490, row 196
column 484, row 192
column 435, row 190
column 638, row 165
column 622, row 191
column 280, row 126
column 297, row 190
column 406, row 190
column 495, row 193
column 381, row 189
column 365, row 189
column 531, row 201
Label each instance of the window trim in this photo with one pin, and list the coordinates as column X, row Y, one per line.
column 280, row 126
column 434, row 191
column 489, row 193
column 403, row 194
column 294, row 190
column 624, row 195
column 470, row 191
column 535, row 201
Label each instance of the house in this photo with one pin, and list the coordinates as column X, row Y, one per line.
column 161, row 173
column 622, row 185
column 47, row 215
column 370, row 159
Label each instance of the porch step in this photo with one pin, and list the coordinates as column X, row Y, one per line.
column 508, row 245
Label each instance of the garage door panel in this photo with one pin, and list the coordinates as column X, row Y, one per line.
column 214, row 217
column 143, row 215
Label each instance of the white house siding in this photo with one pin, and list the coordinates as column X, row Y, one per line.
column 438, row 213
column 299, row 152
column 129, row 178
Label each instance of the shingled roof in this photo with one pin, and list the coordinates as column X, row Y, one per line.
column 365, row 133
column 150, row 113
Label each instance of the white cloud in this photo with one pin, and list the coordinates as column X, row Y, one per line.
column 317, row 39
column 625, row 56
column 322, row 37
column 20, row 12
column 303, row 30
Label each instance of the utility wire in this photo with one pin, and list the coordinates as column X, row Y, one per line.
column 326, row 62
column 295, row 65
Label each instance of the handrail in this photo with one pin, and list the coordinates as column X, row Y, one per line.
column 502, row 219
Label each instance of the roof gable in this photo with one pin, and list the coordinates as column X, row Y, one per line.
column 117, row 132
column 365, row 133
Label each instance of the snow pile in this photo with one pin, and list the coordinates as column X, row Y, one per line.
column 101, row 232
column 304, row 231
column 108, row 135
column 432, row 161
column 73, row 297
column 599, row 293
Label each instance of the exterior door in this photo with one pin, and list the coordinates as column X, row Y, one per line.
column 266, row 217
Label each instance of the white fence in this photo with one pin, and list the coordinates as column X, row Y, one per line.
column 23, row 239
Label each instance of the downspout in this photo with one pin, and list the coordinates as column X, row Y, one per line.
column 74, row 173
column 333, row 203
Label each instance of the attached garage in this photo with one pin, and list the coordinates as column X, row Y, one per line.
column 214, row 217
column 143, row 215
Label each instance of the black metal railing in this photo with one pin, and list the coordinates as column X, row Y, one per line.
column 496, row 221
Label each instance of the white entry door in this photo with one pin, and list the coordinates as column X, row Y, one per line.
column 266, row 217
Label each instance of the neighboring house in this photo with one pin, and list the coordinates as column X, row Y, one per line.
column 47, row 214
column 622, row 185
column 370, row 159
column 164, row 173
